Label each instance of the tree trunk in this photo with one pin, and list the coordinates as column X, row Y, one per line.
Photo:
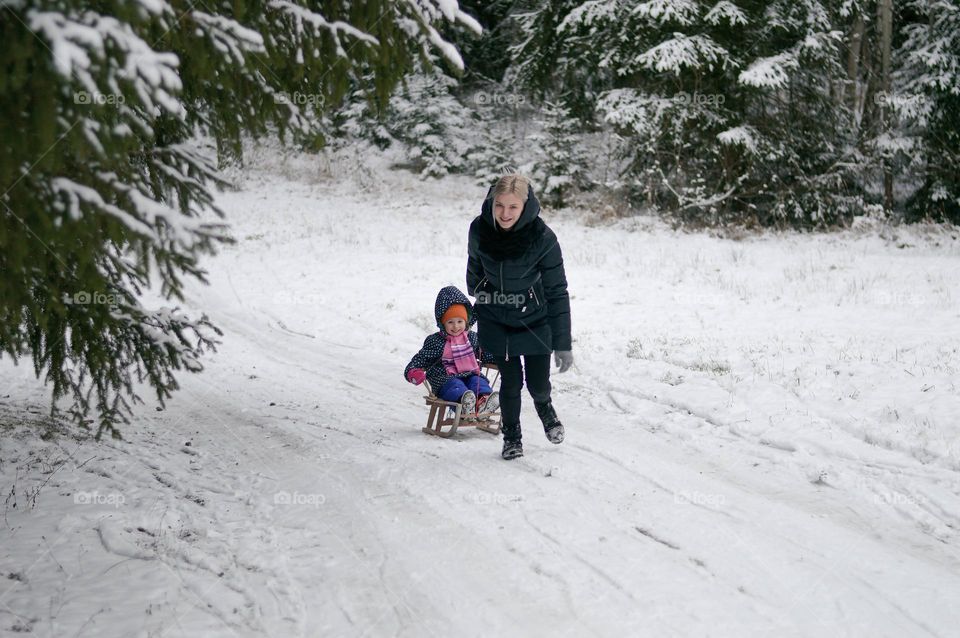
column 885, row 10
column 853, row 68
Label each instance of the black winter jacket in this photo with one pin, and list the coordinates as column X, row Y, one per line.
column 522, row 302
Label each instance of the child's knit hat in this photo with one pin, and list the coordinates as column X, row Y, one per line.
column 455, row 310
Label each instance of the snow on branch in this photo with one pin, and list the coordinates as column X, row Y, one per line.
column 302, row 15
column 725, row 11
column 819, row 41
column 682, row 51
column 229, row 36
column 587, row 14
column 769, row 72
column 79, row 47
column 75, row 194
column 451, row 11
column 427, row 12
column 168, row 328
column 629, row 108
column 447, row 49
column 934, row 50
column 689, row 202
column 154, row 7
column 680, row 11
column 891, row 144
column 145, row 216
column 745, row 136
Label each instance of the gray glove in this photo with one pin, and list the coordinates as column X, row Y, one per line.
column 564, row 359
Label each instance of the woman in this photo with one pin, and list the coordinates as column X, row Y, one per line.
column 515, row 271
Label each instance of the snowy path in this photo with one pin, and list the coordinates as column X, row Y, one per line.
column 759, row 443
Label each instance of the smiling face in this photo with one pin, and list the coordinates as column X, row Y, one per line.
column 507, row 208
column 454, row 326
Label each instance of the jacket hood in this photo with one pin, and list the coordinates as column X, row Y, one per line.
column 531, row 209
column 448, row 296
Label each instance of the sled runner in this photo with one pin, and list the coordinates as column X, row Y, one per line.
column 446, row 416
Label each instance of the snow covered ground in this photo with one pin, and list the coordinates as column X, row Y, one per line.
column 763, row 438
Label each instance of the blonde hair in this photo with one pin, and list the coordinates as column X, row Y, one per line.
column 513, row 184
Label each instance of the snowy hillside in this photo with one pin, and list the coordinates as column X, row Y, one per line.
column 762, row 440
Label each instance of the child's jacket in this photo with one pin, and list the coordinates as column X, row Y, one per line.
column 430, row 356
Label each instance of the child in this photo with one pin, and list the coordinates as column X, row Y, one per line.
column 450, row 359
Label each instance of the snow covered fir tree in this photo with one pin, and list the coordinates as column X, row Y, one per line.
column 561, row 166
column 105, row 190
column 804, row 114
column 728, row 110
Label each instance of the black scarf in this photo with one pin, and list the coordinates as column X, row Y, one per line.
column 508, row 244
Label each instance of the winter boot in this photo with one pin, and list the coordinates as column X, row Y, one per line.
column 551, row 424
column 469, row 403
column 488, row 404
column 512, row 447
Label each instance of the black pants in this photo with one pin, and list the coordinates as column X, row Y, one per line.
column 511, row 383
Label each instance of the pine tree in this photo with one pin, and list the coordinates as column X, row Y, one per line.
column 726, row 108
column 560, row 168
column 550, row 57
column 430, row 123
column 928, row 104
column 496, row 153
column 104, row 190
column 803, row 168
column 423, row 119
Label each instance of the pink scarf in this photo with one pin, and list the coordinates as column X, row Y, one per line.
column 458, row 356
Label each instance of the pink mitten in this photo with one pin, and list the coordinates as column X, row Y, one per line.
column 416, row 376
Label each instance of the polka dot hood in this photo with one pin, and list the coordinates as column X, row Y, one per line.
column 448, row 296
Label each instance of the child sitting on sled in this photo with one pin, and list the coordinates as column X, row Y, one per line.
column 450, row 358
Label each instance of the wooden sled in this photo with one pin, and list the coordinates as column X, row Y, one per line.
column 447, row 416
